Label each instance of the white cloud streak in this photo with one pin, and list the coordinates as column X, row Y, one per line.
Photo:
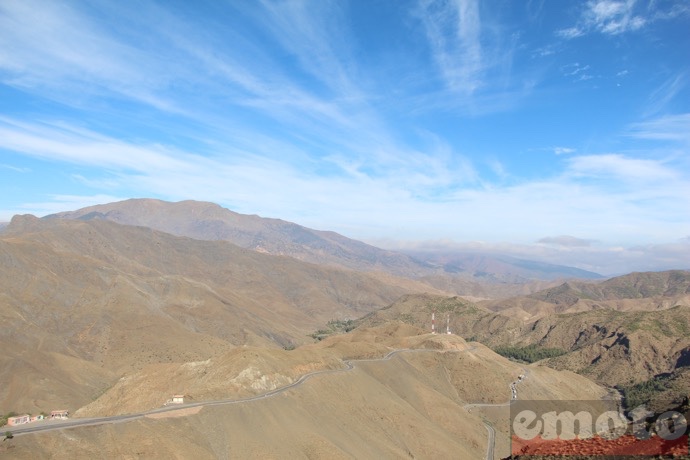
column 616, row 17
column 453, row 29
column 622, row 168
column 563, row 150
column 666, row 128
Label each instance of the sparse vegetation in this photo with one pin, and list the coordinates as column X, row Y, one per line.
column 3, row 418
column 528, row 354
column 643, row 392
column 8, row 435
column 452, row 304
column 406, row 318
column 336, row 326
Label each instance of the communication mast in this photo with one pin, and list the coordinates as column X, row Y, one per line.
column 448, row 323
column 433, row 322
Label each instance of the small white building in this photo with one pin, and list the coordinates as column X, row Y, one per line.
column 177, row 399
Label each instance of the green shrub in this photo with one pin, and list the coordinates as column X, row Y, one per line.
column 528, row 354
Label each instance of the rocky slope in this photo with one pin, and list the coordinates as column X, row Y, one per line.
column 613, row 347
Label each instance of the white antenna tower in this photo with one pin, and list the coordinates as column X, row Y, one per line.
column 433, row 322
column 448, row 323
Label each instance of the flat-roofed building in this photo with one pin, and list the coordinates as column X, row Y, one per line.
column 18, row 420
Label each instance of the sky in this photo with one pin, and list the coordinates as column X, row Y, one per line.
column 558, row 131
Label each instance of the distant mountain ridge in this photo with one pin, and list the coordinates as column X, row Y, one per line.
column 209, row 221
column 647, row 291
column 461, row 273
column 634, row 285
column 500, row 268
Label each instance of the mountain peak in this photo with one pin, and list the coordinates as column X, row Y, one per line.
column 209, row 221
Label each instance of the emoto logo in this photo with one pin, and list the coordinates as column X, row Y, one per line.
column 595, row 428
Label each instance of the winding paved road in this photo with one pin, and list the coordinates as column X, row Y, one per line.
column 491, row 442
column 51, row 425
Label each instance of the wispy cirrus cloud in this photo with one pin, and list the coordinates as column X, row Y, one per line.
column 675, row 128
column 453, row 29
column 316, row 36
column 663, row 95
column 62, row 50
column 15, row 168
column 615, row 17
column 473, row 56
column 609, row 17
column 76, row 145
column 563, row 150
column 621, row 167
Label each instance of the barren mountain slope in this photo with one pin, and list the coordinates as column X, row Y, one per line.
column 411, row 405
column 635, row 291
column 209, row 221
column 119, row 297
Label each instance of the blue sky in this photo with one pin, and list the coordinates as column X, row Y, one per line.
column 557, row 130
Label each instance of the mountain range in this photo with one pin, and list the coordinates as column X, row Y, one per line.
column 209, row 221
column 112, row 309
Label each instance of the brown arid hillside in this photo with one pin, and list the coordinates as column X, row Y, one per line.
column 610, row 346
column 646, row 291
column 425, row 402
column 209, row 221
column 84, row 303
